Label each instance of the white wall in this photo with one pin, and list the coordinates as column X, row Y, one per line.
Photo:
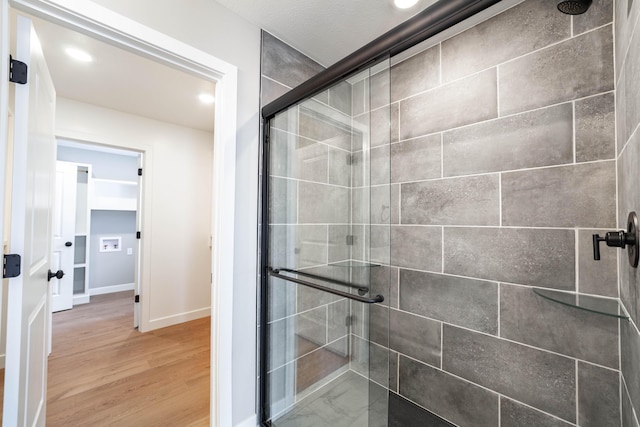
column 212, row 28
column 103, row 165
column 110, row 271
column 176, row 208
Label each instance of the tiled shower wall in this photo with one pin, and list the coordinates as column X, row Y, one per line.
column 309, row 217
column 503, row 164
column 627, row 54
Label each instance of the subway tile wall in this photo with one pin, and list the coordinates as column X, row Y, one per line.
column 627, row 54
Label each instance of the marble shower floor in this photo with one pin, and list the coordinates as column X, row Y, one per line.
column 343, row 402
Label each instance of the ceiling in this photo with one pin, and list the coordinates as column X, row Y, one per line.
column 325, row 30
column 123, row 81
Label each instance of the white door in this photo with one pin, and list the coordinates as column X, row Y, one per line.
column 64, row 230
column 31, row 218
column 138, row 254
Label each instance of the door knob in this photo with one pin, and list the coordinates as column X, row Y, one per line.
column 58, row 275
column 621, row 239
column 67, row 244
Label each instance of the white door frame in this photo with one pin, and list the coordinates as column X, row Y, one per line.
column 89, row 18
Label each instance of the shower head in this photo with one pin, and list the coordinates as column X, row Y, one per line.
column 573, row 7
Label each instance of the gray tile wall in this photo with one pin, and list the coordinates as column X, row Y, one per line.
column 627, row 109
column 503, row 152
column 324, row 157
column 309, row 213
column 503, row 163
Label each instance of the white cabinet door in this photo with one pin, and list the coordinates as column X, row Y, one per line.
column 25, row 394
column 64, row 230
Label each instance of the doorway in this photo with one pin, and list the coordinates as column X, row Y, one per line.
column 101, row 249
column 158, row 154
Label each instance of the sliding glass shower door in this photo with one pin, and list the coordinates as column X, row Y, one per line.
column 326, row 237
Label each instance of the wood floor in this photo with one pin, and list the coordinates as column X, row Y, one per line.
column 102, row 372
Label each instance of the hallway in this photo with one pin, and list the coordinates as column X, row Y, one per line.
column 103, row 372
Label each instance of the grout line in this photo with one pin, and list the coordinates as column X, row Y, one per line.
column 291, row 133
column 621, row 379
column 625, row 54
column 498, row 90
column 577, row 259
column 441, row 154
column 522, row 170
column 275, row 81
column 326, row 329
column 505, row 227
column 530, row 346
column 442, row 251
column 272, row 176
column 573, row 130
column 577, row 394
column 500, row 410
column 398, row 372
column 511, row 115
column 441, row 345
column 499, row 309
column 399, row 135
column 295, row 359
column 398, row 288
column 440, row 78
column 559, row 42
column 572, row 35
column 500, row 222
column 478, row 385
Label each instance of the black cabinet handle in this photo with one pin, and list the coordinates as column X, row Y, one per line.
column 67, row 244
column 58, row 275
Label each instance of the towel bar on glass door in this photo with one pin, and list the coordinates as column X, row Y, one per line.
column 361, row 289
column 276, row 273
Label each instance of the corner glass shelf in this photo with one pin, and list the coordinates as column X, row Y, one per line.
column 593, row 304
column 353, row 264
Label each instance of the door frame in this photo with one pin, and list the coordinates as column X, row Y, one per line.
column 101, row 23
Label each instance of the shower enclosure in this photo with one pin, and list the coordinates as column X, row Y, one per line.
column 429, row 212
column 326, row 362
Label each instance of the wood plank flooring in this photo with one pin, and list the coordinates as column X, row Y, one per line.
column 102, row 372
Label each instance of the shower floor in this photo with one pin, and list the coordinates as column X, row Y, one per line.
column 344, row 402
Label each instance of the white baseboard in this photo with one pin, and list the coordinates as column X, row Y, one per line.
column 252, row 421
column 112, row 289
column 1, row 361
column 176, row 319
column 80, row 299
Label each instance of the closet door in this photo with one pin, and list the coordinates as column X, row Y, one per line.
column 64, row 225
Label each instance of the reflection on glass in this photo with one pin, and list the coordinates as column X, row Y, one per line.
column 329, row 216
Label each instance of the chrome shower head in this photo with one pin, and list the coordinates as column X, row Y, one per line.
column 574, row 7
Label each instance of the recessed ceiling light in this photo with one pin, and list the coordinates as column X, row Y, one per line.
column 405, row 4
column 206, row 98
column 78, row 55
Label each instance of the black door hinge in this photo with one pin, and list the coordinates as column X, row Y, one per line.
column 138, row 234
column 11, row 266
column 137, row 298
column 349, row 321
column 17, row 71
column 139, row 171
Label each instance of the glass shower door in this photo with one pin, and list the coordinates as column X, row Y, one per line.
column 327, row 284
